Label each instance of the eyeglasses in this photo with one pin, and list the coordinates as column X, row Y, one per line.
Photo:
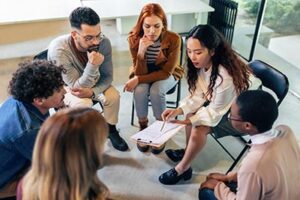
column 89, row 38
column 233, row 119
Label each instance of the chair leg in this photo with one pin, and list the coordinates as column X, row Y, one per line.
column 238, row 158
column 216, row 139
column 132, row 114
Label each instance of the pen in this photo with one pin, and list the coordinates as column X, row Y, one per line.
column 162, row 127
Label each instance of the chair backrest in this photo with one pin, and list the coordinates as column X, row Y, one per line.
column 224, row 17
column 42, row 55
column 271, row 78
column 181, row 51
column 178, row 85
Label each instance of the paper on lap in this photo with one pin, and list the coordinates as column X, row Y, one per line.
column 154, row 137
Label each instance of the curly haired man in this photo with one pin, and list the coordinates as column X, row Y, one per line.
column 35, row 87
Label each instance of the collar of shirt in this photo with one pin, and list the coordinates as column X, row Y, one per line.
column 205, row 75
column 32, row 109
column 206, row 71
column 264, row 137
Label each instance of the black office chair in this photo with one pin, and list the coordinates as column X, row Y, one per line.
column 43, row 55
column 176, row 88
column 274, row 81
column 271, row 78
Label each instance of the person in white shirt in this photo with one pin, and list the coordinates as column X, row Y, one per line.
column 215, row 76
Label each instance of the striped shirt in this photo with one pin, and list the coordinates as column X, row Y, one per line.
column 152, row 52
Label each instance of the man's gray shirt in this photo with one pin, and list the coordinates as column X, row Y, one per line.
column 77, row 75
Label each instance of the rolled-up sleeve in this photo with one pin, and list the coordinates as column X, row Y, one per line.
column 223, row 192
column 250, row 188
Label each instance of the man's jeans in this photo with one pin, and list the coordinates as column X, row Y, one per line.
column 208, row 194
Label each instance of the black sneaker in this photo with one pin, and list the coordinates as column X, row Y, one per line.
column 175, row 155
column 142, row 148
column 157, row 150
column 117, row 142
column 171, row 177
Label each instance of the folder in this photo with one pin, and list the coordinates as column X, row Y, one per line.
column 154, row 137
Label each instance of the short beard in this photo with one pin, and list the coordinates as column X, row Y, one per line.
column 82, row 49
column 93, row 48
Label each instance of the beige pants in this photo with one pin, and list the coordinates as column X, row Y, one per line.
column 110, row 106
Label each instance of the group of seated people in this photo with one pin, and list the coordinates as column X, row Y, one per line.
column 57, row 157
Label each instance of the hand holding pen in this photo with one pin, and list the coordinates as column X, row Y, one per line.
column 166, row 116
column 169, row 114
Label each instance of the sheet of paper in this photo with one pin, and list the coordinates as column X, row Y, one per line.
column 153, row 136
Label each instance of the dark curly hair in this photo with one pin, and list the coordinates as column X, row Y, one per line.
column 83, row 15
column 210, row 38
column 36, row 79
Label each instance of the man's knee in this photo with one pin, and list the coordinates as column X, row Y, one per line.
column 112, row 96
column 79, row 102
column 74, row 101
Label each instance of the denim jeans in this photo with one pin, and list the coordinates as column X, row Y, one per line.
column 156, row 92
column 206, row 194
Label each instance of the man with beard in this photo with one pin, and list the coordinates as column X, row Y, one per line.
column 35, row 87
column 86, row 57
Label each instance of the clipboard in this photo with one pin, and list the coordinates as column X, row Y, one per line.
column 154, row 137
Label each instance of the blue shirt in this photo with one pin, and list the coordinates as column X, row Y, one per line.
column 19, row 125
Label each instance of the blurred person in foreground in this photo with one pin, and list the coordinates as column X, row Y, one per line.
column 67, row 154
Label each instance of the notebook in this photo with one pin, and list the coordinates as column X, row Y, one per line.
column 153, row 136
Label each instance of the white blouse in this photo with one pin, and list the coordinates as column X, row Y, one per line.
column 223, row 96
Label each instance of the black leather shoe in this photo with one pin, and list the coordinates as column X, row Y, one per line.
column 175, row 155
column 117, row 142
column 171, row 177
column 158, row 150
column 142, row 148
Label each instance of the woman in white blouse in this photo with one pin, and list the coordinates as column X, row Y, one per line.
column 215, row 76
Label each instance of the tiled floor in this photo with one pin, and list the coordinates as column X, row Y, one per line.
column 134, row 175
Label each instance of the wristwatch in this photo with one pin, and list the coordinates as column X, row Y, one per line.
column 93, row 96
